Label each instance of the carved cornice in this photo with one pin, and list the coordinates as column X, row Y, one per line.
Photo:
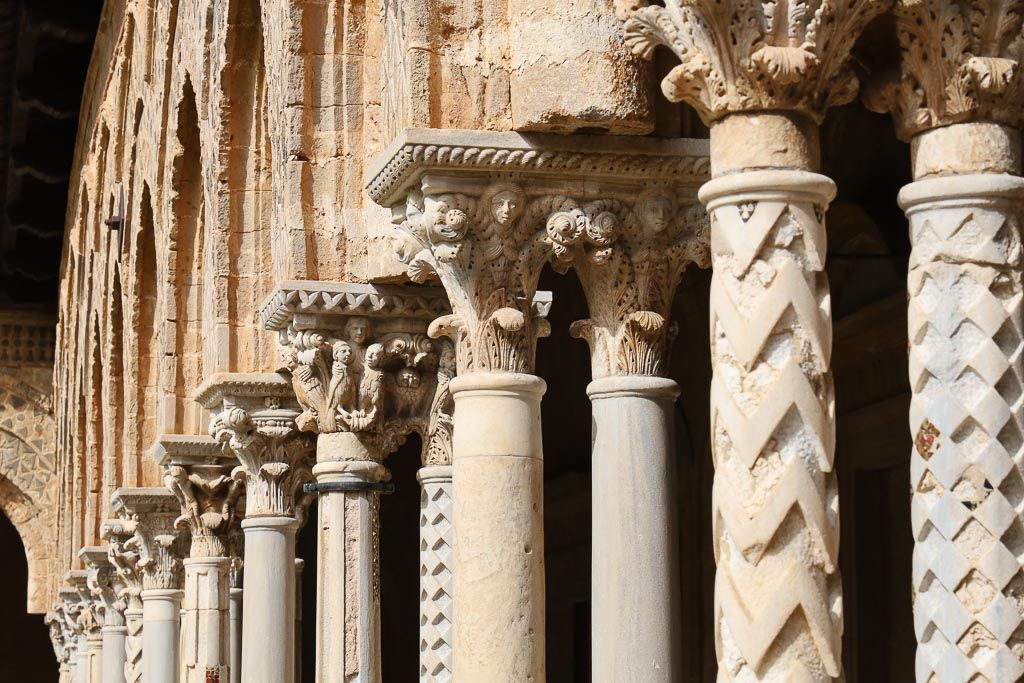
column 418, row 151
column 961, row 61
column 254, row 416
column 159, row 542
column 486, row 234
column 197, row 470
column 104, row 584
column 319, row 302
column 757, row 55
column 117, row 533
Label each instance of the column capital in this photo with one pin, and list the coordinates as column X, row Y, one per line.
column 84, row 609
column 361, row 362
column 117, row 533
column 158, row 539
column 104, row 584
column 254, row 416
column 960, row 62
column 198, row 471
column 67, row 610
column 484, row 212
column 757, row 56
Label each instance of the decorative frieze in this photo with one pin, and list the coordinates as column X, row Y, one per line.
column 158, row 539
column 254, row 416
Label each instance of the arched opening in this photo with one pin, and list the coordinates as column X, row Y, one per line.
column 114, row 466
column 147, row 385
column 95, row 505
column 25, row 647
column 187, row 237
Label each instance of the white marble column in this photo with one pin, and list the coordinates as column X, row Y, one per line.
column 124, row 558
column 767, row 80
column 89, row 623
column 254, row 415
column 966, row 332
column 200, row 477
column 300, row 566
column 161, row 548
column 366, row 377
column 436, row 562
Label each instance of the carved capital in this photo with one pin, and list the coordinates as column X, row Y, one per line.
column 54, row 621
column 961, row 61
column 198, row 472
column 124, row 559
column 630, row 257
column 757, row 55
column 485, row 212
column 104, row 584
column 361, row 362
column 254, row 417
column 85, row 609
column 158, row 540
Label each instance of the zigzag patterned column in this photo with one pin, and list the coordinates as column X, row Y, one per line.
column 778, row 601
column 435, row 573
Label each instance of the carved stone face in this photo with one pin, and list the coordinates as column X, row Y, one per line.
column 505, row 207
column 407, row 377
column 374, row 355
column 358, row 329
column 343, row 353
column 656, row 213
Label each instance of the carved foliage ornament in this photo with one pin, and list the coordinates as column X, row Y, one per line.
column 124, row 559
column 630, row 260
column 275, row 459
column 489, row 251
column 961, row 61
column 382, row 386
column 209, row 499
column 751, row 55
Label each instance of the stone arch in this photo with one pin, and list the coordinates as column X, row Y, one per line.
column 28, row 480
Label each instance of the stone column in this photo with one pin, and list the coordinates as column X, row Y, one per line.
column 161, row 547
column 55, row 622
column 366, row 375
column 435, row 572
column 236, row 550
column 67, row 612
column 124, row 559
column 961, row 112
column 105, row 585
column 200, row 477
column 300, row 566
column 255, row 417
column 630, row 257
column 483, row 213
column 762, row 78
column 90, row 624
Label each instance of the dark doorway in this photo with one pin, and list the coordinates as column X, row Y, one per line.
column 25, row 647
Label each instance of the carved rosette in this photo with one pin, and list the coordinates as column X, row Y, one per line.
column 758, row 55
column 630, row 258
column 157, row 540
column 961, row 61
column 208, row 496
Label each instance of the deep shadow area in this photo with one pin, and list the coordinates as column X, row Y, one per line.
column 25, row 646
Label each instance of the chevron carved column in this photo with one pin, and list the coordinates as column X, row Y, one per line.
column 957, row 100
column 761, row 76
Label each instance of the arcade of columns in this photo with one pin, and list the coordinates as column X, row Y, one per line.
column 197, row 580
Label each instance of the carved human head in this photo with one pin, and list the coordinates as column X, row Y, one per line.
column 407, row 377
column 374, row 356
column 656, row 212
column 507, row 205
column 342, row 352
column 358, row 329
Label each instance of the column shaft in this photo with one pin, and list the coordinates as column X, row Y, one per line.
column 206, row 623
column 775, row 511
column 161, row 617
column 235, row 612
column 965, row 330
column 113, row 653
column 435, row 573
column 348, row 590
column 133, row 645
column 498, row 472
column 636, row 619
column 268, row 621
column 94, row 647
